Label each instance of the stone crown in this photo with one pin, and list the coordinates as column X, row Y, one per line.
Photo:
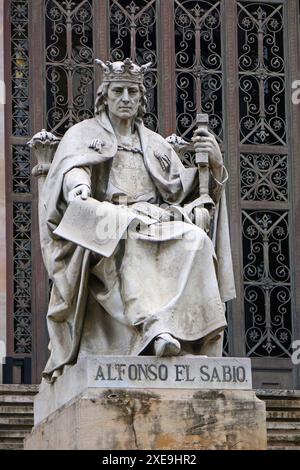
column 126, row 71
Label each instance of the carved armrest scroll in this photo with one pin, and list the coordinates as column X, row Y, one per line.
column 44, row 144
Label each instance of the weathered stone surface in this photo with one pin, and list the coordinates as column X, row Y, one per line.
column 155, row 419
column 145, row 372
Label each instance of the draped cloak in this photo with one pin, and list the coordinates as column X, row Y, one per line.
column 117, row 305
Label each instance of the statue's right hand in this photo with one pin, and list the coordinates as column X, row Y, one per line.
column 82, row 190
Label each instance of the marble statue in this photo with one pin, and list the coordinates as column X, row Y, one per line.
column 161, row 289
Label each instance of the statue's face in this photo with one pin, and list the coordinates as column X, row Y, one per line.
column 123, row 99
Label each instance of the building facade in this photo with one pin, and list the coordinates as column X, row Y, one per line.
column 238, row 61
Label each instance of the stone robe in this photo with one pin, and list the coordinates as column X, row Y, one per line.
column 167, row 278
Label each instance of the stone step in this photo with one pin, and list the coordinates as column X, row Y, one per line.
column 293, row 415
column 12, row 445
column 283, row 404
column 18, row 389
column 283, row 418
column 4, row 399
column 16, row 421
column 11, row 441
column 13, row 433
column 16, row 409
column 16, row 414
column 288, row 438
column 282, row 447
column 277, row 394
column 282, row 426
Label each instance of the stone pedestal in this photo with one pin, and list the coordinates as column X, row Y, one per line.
column 83, row 411
column 157, row 419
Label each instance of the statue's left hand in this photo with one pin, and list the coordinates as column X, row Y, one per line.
column 204, row 141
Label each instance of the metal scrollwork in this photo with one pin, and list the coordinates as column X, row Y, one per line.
column 22, row 277
column 69, row 63
column 262, row 73
column 198, row 64
column 264, row 177
column 267, row 281
column 20, row 68
column 133, row 34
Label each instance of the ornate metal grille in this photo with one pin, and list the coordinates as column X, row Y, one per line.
column 133, row 34
column 262, row 73
column 21, row 169
column 20, row 228
column 69, row 63
column 267, row 281
column 264, row 177
column 20, row 68
column 22, row 277
column 198, row 64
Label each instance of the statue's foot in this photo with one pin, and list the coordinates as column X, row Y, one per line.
column 166, row 345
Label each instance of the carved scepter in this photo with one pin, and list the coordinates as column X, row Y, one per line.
column 201, row 159
column 202, row 214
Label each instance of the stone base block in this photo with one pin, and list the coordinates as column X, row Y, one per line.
column 127, row 419
column 140, row 373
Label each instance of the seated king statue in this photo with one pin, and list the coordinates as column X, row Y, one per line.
column 159, row 287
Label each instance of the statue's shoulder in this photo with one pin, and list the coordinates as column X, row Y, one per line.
column 157, row 140
column 82, row 128
column 153, row 135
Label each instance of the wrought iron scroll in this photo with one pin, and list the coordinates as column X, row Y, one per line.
column 262, row 73
column 133, row 34
column 267, row 282
column 20, row 68
column 264, row 177
column 22, row 277
column 69, row 63
column 198, row 64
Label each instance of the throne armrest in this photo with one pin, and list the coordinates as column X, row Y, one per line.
column 44, row 145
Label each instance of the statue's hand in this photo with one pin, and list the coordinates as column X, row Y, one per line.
column 204, row 141
column 82, row 190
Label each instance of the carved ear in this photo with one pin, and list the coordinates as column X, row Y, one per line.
column 145, row 67
column 102, row 65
